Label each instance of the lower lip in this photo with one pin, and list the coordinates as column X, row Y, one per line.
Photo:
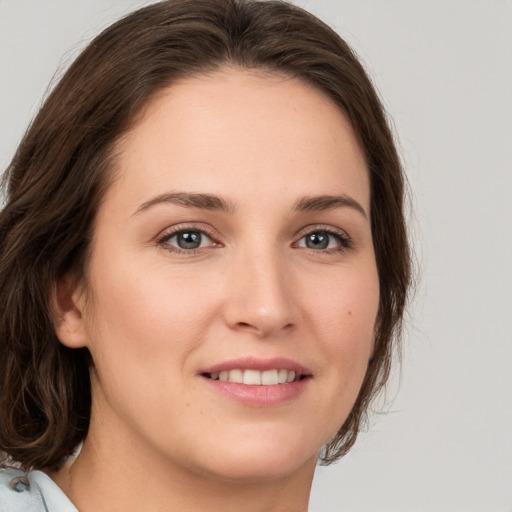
column 259, row 396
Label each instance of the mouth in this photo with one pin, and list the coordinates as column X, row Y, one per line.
column 256, row 382
column 253, row 377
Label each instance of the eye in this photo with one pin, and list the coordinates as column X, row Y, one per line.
column 186, row 240
column 324, row 240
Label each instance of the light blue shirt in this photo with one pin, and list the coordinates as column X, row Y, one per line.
column 31, row 492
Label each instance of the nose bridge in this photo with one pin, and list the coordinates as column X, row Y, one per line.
column 259, row 292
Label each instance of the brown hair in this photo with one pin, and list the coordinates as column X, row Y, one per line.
column 60, row 172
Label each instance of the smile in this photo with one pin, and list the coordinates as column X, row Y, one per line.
column 255, row 382
column 252, row 377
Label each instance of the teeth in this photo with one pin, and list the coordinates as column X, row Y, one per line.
column 282, row 376
column 236, row 376
column 269, row 378
column 252, row 377
column 255, row 377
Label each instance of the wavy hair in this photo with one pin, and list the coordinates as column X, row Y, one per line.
column 62, row 168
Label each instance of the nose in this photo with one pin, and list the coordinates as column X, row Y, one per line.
column 259, row 295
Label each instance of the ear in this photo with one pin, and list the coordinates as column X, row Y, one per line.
column 68, row 309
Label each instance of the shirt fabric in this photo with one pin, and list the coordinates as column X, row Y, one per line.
column 31, row 492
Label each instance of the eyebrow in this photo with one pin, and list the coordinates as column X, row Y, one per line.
column 328, row 202
column 213, row 202
column 190, row 199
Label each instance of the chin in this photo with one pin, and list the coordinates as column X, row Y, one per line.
column 255, row 470
column 260, row 459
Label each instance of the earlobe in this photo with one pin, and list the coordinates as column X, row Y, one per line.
column 68, row 313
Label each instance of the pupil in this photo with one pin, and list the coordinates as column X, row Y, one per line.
column 189, row 240
column 317, row 240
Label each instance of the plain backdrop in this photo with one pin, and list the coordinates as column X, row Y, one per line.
column 444, row 71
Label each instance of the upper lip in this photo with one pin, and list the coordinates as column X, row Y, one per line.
column 252, row 363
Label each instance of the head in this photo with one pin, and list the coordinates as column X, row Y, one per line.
column 68, row 162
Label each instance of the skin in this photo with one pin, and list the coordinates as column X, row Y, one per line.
column 160, row 437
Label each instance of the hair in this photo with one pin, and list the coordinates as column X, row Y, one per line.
column 62, row 168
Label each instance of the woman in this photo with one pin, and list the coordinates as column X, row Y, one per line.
column 204, row 265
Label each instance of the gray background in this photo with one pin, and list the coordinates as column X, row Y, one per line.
column 444, row 70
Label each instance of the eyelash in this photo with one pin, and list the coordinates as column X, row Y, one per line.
column 344, row 241
column 164, row 239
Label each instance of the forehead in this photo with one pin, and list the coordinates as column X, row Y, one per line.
column 242, row 132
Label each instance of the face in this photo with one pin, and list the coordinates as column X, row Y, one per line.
column 232, row 289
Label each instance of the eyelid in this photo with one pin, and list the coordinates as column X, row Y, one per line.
column 187, row 226
column 329, row 228
column 346, row 242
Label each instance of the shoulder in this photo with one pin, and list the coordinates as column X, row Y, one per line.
column 17, row 494
column 31, row 492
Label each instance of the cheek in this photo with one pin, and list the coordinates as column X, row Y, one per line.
column 344, row 317
column 145, row 314
column 145, row 325
column 346, row 307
